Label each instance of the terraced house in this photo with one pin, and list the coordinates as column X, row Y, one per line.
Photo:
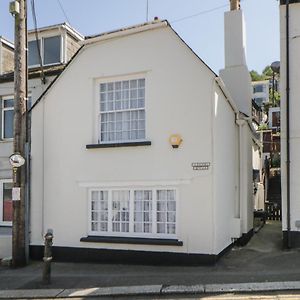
column 57, row 44
column 140, row 152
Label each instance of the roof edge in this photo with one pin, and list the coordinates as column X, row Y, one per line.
column 125, row 31
column 6, row 42
column 65, row 25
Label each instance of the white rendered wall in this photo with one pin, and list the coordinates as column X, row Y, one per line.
column 294, row 42
column 226, row 172
column 179, row 95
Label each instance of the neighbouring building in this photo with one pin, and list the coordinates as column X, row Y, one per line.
column 57, row 43
column 274, row 118
column 290, row 122
column 140, row 152
column 261, row 92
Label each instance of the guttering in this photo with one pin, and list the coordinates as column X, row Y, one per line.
column 288, row 175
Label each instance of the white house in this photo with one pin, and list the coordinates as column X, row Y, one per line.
column 261, row 92
column 57, row 43
column 290, row 123
column 139, row 153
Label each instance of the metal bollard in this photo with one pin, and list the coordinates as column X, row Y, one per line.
column 47, row 256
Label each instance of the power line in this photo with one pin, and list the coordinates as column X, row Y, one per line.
column 200, row 13
column 37, row 40
column 63, row 11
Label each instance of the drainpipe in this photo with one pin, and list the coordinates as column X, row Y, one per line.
column 288, row 127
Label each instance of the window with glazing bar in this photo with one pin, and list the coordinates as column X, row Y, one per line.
column 122, row 111
column 133, row 212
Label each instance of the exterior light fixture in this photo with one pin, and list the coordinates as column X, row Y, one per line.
column 16, row 160
column 175, row 140
column 14, row 8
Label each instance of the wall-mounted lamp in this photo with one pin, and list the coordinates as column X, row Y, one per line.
column 175, row 140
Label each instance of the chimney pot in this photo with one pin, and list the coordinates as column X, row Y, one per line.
column 235, row 4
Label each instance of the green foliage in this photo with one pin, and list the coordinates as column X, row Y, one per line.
column 276, row 101
column 263, row 126
column 267, row 72
column 255, row 76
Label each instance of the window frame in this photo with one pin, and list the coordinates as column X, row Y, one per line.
column 131, row 232
column 3, row 110
column 61, row 50
column 97, row 116
column 3, row 223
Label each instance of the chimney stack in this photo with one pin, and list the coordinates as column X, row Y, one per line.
column 235, row 74
column 235, row 4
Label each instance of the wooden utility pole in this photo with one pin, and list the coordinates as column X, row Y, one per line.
column 20, row 100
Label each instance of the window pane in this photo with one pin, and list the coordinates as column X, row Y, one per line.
column 33, row 54
column 120, row 211
column 143, row 211
column 166, row 211
column 52, row 50
column 7, row 202
column 8, row 124
column 8, row 103
column 99, row 211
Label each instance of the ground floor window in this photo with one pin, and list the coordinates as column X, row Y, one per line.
column 6, row 209
column 133, row 212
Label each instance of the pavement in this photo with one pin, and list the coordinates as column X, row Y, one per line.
column 261, row 266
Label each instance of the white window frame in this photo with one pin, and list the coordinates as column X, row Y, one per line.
column 131, row 232
column 3, row 223
column 3, row 110
column 61, row 53
column 98, row 82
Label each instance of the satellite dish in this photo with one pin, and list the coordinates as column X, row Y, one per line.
column 275, row 66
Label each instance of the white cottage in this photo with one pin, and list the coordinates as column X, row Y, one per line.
column 139, row 154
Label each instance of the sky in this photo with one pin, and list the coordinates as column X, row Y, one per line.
column 199, row 22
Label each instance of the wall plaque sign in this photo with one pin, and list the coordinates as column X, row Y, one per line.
column 200, row 166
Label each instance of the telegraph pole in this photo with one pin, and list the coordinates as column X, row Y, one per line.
column 19, row 10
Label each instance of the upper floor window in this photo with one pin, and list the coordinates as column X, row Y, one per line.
column 7, row 117
column 260, row 88
column 6, row 210
column 50, row 51
column 122, row 111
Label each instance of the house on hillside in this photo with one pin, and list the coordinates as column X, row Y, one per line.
column 57, row 43
column 140, row 152
column 261, row 92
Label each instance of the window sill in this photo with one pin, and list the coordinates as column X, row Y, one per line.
column 113, row 145
column 8, row 140
column 131, row 240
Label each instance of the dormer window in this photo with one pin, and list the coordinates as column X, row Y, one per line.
column 50, row 51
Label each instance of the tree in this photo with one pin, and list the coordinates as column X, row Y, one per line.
column 267, row 72
column 255, row 76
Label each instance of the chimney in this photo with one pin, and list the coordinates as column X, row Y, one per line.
column 235, row 73
column 235, row 4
